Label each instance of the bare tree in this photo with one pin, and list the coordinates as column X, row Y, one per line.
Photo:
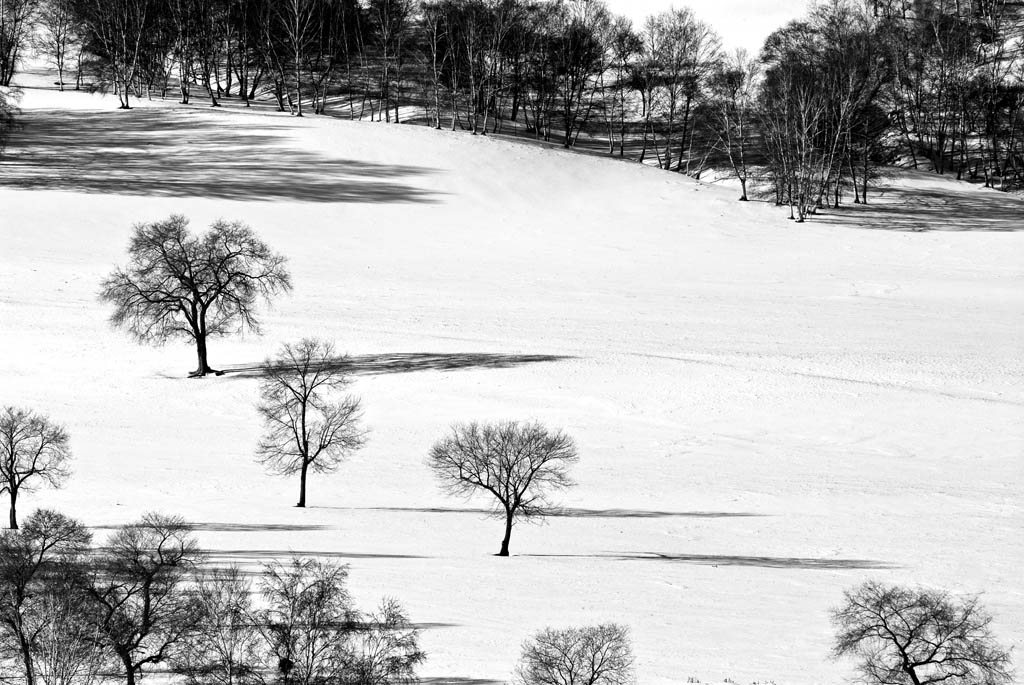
column 297, row 30
column 682, row 52
column 625, row 46
column 307, row 619
column 61, row 35
column 16, row 25
column 305, row 430
column 734, row 106
column 386, row 650
column 181, row 285
column 517, row 463
column 139, row 602
column 225, row 647
column 8, row 112
column 118, row 31
column 29, row 558
column 392, row 22
column 907, row 636
column 580, row 30
column 593, row 655
column 33, row 450
column 434, row 27
column 67, row 649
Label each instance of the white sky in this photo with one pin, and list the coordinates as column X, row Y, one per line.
column 740, row 23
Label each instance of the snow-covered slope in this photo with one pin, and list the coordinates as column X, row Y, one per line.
column 767, row 413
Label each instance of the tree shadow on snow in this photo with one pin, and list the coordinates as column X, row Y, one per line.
column 918, row 209
column 251, row 555
column 255, row 527
column 459, row 681
column 572, row 512
column 731, row 560
column 377, row 364
column 175, row 153
column 220, row 527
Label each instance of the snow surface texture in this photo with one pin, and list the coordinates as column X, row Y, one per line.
column 767, row 413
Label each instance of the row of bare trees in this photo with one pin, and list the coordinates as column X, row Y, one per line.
column 75, row 614
column 855, row 84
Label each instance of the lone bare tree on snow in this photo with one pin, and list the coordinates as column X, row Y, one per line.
column 594, row 655
column 918, row 637
column 181, row 285
column 33, row 450
column 517, row 463
column 305, row 429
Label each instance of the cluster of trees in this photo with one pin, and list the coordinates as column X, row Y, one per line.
column 181, row 285
column 855, row 84
column 75, row 614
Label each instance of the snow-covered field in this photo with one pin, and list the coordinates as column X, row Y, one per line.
column 767, row 413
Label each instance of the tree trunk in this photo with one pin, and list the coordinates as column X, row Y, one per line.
column 298, row 87
column 302, row 484
column 508, row 535
column 14, row 509
column 26, row 654
column 911, row 671
column 204, row 365
column 129, row 671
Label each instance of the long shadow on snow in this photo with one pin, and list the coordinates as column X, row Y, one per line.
column 238, row 527
column 909, row 209
column 175, row 153
column 731, row 560
column 260, row 555
column 255, row 527
column 376, row 364
column 245, row 556
column 569, row 512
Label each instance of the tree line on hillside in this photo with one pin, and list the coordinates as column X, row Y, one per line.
column 853, row 85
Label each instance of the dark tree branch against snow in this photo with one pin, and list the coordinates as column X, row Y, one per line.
column 140, row 604
column 518, row 464
column 32, row 562
column 907, row 636
column 181, row 285
column 225, row 646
